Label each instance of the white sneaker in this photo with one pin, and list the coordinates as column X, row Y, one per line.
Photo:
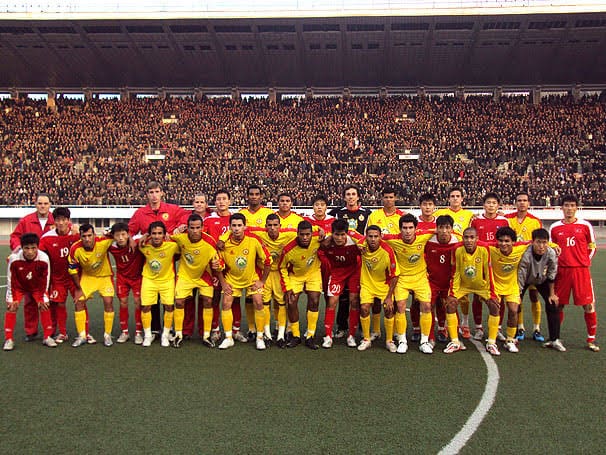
column 50, row 342
column 558, row 346
column 492, row 349
column 138, row 338
column 227, row 343
column 479, row 334
column 364, row 345
column 510, row 345
column 340, row 334
column 9, row 345
column 402, row 346
column 327, row 342
column 238, row 337
column 90, row 339
column 260, row 344
column 123, row 338
column 165, row 340
column 79, row 341
column 107, row 340
column 374, row 336
column 147, row 341
column 215, row 336
column 426, row 348
column 391, row 346
column 500, row 336
column 351, row 341
column 61, row 338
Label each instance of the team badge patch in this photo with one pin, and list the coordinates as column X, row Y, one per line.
column 165, row 216
column 241, row 262
column 470, row 271
column 189, row 258
column 155, row 266
column 508, row 268
column 414, row 258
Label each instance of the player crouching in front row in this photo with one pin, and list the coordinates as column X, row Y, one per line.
column 28, row 273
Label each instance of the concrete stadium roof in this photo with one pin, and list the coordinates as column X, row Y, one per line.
column 341, row 51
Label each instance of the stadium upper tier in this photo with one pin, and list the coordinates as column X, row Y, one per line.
column 94, row 153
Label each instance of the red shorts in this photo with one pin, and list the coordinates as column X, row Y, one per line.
column 338, row 282
column 60, row 290
column 37, row 296
column 576, row 280
column 125, row 285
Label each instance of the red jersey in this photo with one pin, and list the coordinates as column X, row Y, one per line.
column 426, row 225
column 440, row 262
column 30, row 223
column 343, row 260
column 57, row 248
column 216, row 225
column 25, row 276
column 129, row 262
column 487, row 227
column 170, row 214
column 325, row 224
column 576, row 240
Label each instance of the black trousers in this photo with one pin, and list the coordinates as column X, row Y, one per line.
column 553, row 311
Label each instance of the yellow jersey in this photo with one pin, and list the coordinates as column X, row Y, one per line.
column 94, row 263
column 389, row 224
column 472, row 273
column 505, row 269
column 462, row 218
column 525, row 228
column 291, row 221
column 196, row 257
column 159, row 261
column 410, row 256
column 257, row 218
column 276, row 246
column 378, row 268
column 299, row 262
column 240, row 259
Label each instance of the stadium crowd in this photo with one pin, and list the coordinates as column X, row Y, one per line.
column 93, row 152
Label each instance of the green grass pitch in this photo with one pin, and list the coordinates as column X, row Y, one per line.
column 127, row 399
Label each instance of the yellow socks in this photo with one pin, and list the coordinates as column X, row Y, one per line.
column 250, row 316
column 376, row 322
column 493, row 328
column 108, row 321
column 511, row 333
column 168, row 319
column 312, row 322
column 400, row 324
column 80, row 318
column 365, row 323
column 178, row 317
column 536, row 315
column 227, row 318
column 294, row 327
column 207, row 315
column 389, row 323
column 260, row 321
column 451, row 322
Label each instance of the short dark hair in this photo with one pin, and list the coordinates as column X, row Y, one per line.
column 153, row 185
column 30, row 238
column 118, row 227
column 408, row 218
column 541, row 234
column 272, row 216
column 62, row 212
column 491, row 195
column 523, row 193
column 351, row 187
column 237, row 216
column 444, row 220
column 254, row 187
column 373, row 227
column 222, row 191
column 44, row 195
column 304, row 225
column 340, row 225
column 570, row 198
column 427, row 197
column 194, row 217
column 388, row 190
column 455, row 188
column 506, row 231
column 85, row 228
column 319, row 197
column 156, row 224
column 284, row 195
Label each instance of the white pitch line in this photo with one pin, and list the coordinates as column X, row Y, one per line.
column 488, row 397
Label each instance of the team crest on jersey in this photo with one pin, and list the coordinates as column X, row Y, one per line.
column 477, row 260
column 96, row 265
column 98, row 255
column 165, row 216
column 241, row 262
column 189, row 258
column 353, row 224
column 259, row 221
column 508, row 268
column 470, row 271
column 310, row 261
column 361, row 217
column 196, row 252
column 413, row 258
column 274, row 256
column 245, row 251
column 162, row 254
column 385, row 231
column 369, row 265
column 155, row 266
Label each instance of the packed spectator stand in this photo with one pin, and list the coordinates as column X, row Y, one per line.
column 93, row 152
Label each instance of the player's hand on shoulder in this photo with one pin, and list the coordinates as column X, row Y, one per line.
column 220, row 245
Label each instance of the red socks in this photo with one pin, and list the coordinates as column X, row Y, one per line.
column 591, row 320
column 329, row 321
column 354, row 320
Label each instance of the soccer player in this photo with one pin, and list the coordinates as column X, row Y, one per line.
column 288, row 218
column 343, row 256
column 274, row 238
column 158, row 283
column 28, row 272
column 357, row 217
column 300, row 269
column 438, row 255
column 255, row 213
column 129, row 265
column 388, row 216
column 378, row 280
column 576, row 239
column 241, row 254
column 524, row 223
column 38, row 222
column 171, row 215
column 462, row 220
column 198, row 251
column 200, row 205
column 486, row 226
column 538, row 268
column 91, row 272
column 505, row 260
column 472, row 275
column 320, row 218
column 409, row 247
column 56, row 244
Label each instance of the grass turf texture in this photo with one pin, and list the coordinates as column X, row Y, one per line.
column 126, row 398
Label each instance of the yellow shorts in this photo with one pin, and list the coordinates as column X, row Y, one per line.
column 513, row 298
column 417, row 284
column 464, row 293
column 151, row 289
column 185, row 286
column 368, row 295
column 104, row 285
column 273, row 289
column 239, row 292
column 312, row 283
